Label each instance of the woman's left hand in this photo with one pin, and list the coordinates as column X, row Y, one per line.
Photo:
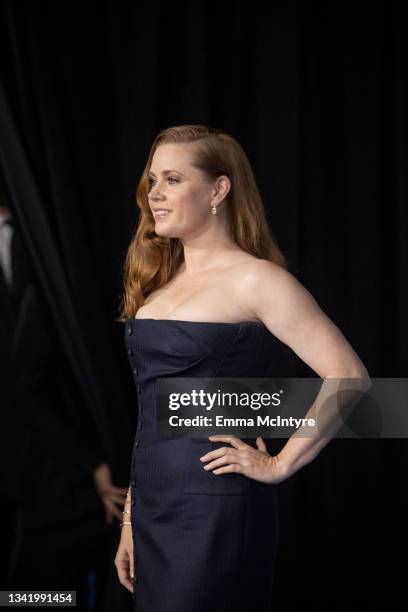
column 256, row 463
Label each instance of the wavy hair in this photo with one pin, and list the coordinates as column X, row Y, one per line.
column 151, row 260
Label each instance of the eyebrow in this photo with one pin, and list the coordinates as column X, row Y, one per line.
column 166, row 172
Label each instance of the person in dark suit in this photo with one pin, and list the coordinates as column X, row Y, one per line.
column 61, row 500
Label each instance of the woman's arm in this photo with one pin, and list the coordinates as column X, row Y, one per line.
column 124, row 560
column 275, row 296
column 126, row 508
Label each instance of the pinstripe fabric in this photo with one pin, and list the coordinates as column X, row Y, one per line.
column 202, row 542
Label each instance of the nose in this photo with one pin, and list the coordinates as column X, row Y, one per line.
column 152, row 193
column 155, row 198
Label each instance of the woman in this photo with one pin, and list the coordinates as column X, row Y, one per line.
column 207, row 294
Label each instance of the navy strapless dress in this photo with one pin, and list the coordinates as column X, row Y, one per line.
column 203, row 542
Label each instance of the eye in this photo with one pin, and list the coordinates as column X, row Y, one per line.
column 169, row 178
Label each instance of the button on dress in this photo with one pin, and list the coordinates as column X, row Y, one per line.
column 203, row 542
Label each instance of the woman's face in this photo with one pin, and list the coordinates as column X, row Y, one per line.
column 179, row 188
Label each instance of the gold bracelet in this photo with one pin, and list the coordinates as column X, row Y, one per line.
column 121, row 525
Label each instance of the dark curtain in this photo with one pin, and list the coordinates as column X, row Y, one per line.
column 317, row 96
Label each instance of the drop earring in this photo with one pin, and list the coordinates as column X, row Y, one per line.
column 214, row 210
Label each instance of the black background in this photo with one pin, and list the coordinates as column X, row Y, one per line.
column 317, row 96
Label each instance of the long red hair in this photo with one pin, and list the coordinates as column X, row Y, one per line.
column 151, row 260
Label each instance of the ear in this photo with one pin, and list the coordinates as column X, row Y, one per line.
column 222, row 188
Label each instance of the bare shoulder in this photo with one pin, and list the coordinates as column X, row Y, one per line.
column 273, row 295
column 257, row 266
column 269, row 292
column 254, row 271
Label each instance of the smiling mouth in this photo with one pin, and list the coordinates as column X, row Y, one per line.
column 161, row 213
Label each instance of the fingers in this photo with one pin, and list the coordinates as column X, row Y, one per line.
column 219, row 452
column 255, row 463
column 122, row 564
column 224, row 456
column 231, row 467
column 236, row 442
column 261, row 444
column 226, row 459
column 221, row 456
column 132, row 564
column 125, row 580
